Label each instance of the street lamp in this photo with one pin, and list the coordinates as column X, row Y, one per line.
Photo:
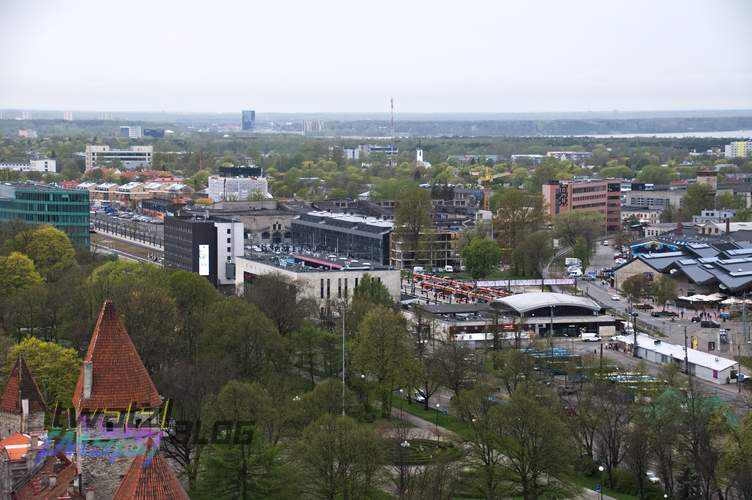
column 600, row 478
column 437, row 421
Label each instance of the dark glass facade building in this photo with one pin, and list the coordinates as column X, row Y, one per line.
column 65, row 209
column 249, row 120
column 346, row 235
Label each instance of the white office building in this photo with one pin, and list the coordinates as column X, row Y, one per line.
column 131, row 132
column 131, row 158
column 223, row 188
column 44, row 165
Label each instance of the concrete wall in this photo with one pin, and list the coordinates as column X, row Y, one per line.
column 310, row 281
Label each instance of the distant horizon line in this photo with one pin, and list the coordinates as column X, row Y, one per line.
column 384, row 112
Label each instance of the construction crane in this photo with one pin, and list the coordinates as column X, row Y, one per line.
column 485, row 182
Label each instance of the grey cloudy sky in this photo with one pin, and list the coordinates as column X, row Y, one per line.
column 349, row 55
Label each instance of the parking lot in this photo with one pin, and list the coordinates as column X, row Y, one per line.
column 131, row 226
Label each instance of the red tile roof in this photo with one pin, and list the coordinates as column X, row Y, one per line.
column 150, row 480
column 63, row 470
column 118, row 374
column 21, row 385
column 16, row 445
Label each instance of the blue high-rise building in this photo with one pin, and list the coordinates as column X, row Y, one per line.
column 249, row 119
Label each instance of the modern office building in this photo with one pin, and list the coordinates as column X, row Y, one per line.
column 738, row 149
column 131, row 132
column 438, row 249
column 66, row 209
column 207, row 246
column 325, row 279
column 248, row 119
column 238, row 183
column 44, row 165
column 363, row 238
column 600, row 196
column 134, row 157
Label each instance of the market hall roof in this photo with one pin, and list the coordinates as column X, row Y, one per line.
column 525, row 302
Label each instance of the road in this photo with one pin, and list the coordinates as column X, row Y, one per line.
column 673, row 330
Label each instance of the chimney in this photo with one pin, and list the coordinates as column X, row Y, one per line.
column 88, row 373
column 31, row 455
column 53, row 481
column 679, row 223
column 728, row 226
column 24, row 414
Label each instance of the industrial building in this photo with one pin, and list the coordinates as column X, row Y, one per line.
column 207, row 246
column 132, row 158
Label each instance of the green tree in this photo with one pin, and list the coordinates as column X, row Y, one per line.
column 55, row 368
column 481, row 257
column 654, row 174
column 530, row 255
column 533, row 438
column 413, row 222
column 664, row 290
column 697, row 198
column 730, row 200
column 247, row 465
column 581, row 250
column 383, row 350
column 340, row 458
column 636, row 287
column 369, row 293
column 517, row 214
column 736, row 459
column 280, row 300
column 617, row 172
column 569, row 226
column 17, row 273
column 49, row 248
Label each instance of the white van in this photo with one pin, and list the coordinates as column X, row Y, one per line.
column 590, row 337
column 417, row 269
column 575, row 273
column 448, row 269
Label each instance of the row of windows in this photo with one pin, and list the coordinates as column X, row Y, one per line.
column 591, row 189
column 341, row 291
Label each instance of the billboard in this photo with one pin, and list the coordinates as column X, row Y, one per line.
column 203, row 260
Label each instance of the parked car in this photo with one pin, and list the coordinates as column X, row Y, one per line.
column 605, row 243
column 652, row 478
column 643, row 307
column 660, row 314
column 709, row 323
column 616, row 298
column 590, row 337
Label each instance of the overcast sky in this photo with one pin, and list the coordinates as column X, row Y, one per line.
column 353, row 55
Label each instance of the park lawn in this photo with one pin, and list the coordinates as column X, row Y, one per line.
column 463, row 430
column 450, row 422
column 590, row 482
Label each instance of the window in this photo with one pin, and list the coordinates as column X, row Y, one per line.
column 356, row 282
column 322, row 288
column 328, row 289
column 228, row 240
column 228, row 231
column 715, row 373
column 345, row 287
column 339, row 288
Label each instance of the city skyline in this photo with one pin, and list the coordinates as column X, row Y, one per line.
column 431, row 57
